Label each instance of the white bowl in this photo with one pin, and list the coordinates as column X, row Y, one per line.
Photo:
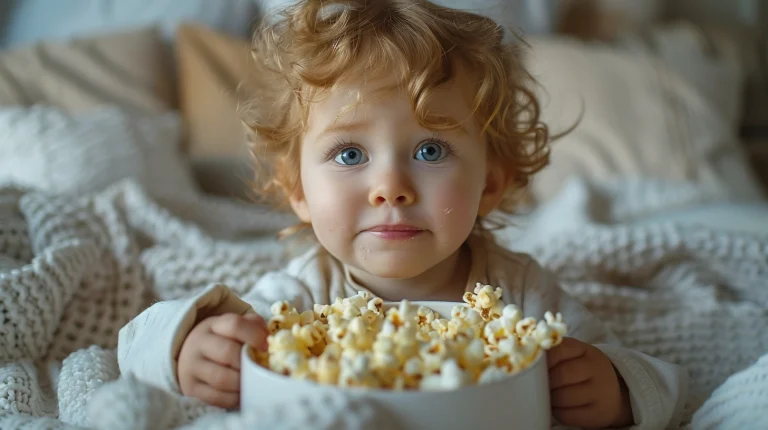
column 520, row 401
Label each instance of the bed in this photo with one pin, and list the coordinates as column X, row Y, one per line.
column 124, row 180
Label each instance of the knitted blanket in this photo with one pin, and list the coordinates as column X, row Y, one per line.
column 74, row 270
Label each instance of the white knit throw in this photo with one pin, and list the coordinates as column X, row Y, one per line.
column 74, row 270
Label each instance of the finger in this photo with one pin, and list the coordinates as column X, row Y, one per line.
column 245, row 330
column 222, row 350
column 219, row 377
column 568, row 350
column 572, row 396
column 583, row 417
column 570, row 372
column 257, row 318
column 215, row 397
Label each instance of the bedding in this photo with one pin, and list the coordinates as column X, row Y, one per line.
column 46, row 148
column 81, row 268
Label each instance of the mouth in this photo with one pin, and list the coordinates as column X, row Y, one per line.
column 395, row 231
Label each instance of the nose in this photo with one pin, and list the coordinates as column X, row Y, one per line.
column 393, row 189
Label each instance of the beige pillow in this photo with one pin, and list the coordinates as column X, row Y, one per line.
column 213, row 83
column 129, row 69
column 640, row 119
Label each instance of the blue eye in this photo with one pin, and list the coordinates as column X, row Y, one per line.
column 430, row 152
column 350, row 157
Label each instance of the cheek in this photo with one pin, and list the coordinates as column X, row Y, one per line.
column 455, row 201
column 331, row 206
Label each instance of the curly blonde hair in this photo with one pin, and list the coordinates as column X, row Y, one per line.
column 317, row 43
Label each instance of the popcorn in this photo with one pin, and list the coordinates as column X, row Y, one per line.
column 525, row 327
column 283, row 317
column 306, row 317
column 353, row 342
column 492, row 374
column 325, row 368
column 290, row 363
column 338, row 305
column 375, row 305
column 280, row 308
column 433, row 355
column 520, row 351
column 450, row 377
column 368, row 315
column 425, row 316
column 485, row 300
column 486, row 296
column 284, row 341
column 406, row 343
column 386, row 365
column 360, row 300
column 322, row 312
column 356, row 372
column 495, row 331
column 473, row 354
column 350, row 312
column 440, row 326
column 544, row 335
column 307, row 335
column 556, row 322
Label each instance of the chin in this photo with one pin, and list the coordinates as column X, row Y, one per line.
column 395, row 268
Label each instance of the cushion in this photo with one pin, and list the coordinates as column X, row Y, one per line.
column 127, row 69
column 701, row 56
column 213, row 84
column 48, row 149
column 640, row 119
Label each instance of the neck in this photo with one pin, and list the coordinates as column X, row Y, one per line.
column 443, row 282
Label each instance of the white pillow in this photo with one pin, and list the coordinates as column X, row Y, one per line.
column 45, row 148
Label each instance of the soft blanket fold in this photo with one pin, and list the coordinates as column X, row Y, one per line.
column 74, row 270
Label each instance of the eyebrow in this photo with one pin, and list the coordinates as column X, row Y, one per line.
column 346, row 128
column 362, row 125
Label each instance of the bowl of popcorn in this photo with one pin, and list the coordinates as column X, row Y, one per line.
column 431, row 365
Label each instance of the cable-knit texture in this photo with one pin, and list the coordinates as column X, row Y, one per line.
column 73, row 271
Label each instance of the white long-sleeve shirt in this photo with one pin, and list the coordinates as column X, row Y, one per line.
column 149, row 345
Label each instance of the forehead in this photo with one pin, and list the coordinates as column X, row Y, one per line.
column 358, row 99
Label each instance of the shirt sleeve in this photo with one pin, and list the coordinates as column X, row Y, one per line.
column 657, row 389
column 149, row 345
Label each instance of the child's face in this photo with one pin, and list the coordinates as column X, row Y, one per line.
column 385, row 195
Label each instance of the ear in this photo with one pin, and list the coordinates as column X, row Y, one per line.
column 495, row 187
column 299, row 205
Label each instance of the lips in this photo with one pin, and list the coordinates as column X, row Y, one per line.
column 395, row 231
column 394, row 228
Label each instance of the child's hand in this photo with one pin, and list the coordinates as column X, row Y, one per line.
column 209, row 361
column 585, row 389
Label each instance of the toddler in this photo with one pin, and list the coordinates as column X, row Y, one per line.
column 395, row 128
